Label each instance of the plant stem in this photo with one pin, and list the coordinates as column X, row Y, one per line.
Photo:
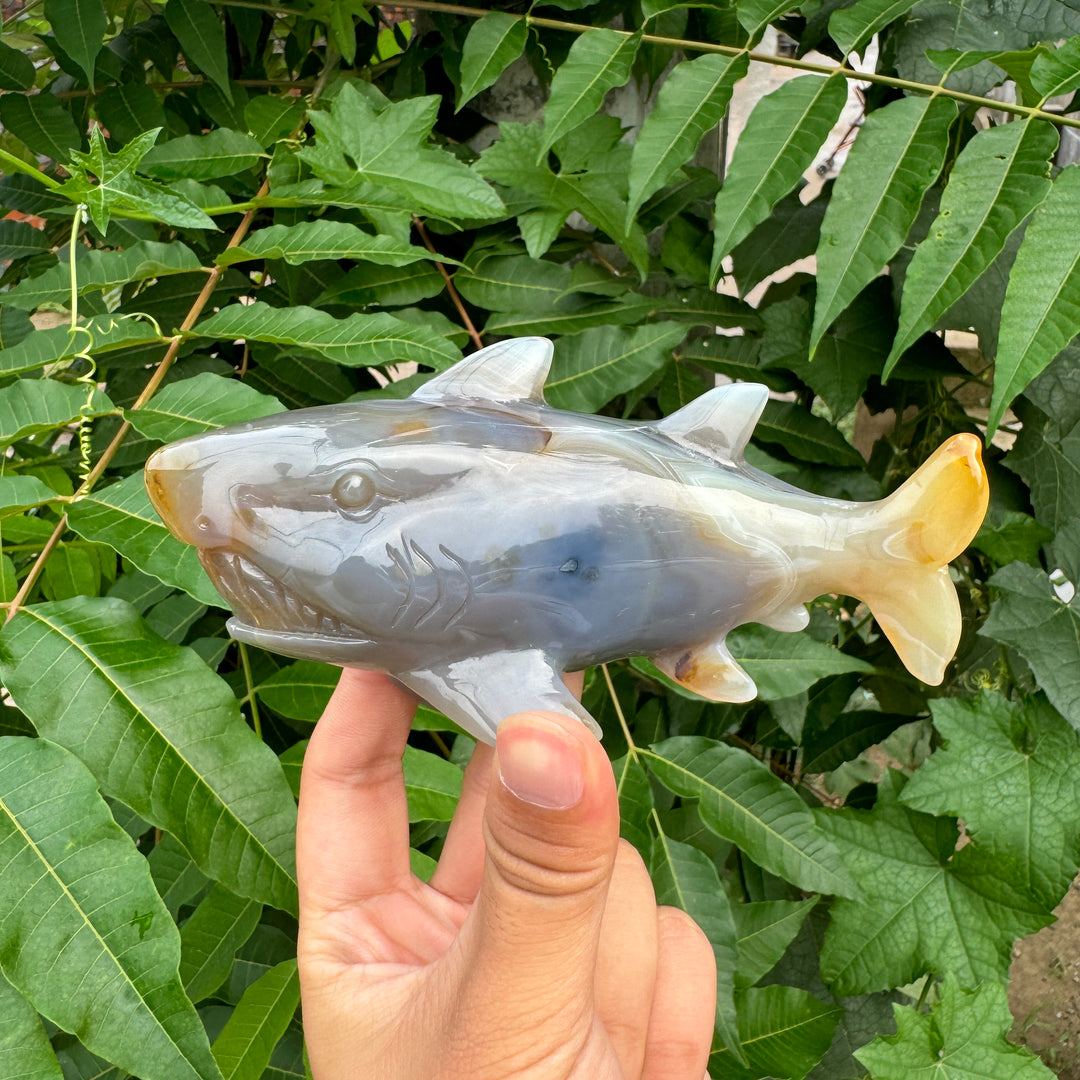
column 18, row 165
column 160, row 371
column 466, row 321
column 151, row 387
column 775, row 61
column 256, row 723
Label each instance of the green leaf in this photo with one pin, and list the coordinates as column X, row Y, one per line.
column 85, row 937
column 221, row 152
column 129, row 109
column 201, row 403
column 1041, row 314
column 897, row 156
column 755, row 15
column 592, row 367
column 96, row 270
column 300, row 691
column 1047, row 455
column 742, row 801
column 28, row 406
column 106, row 183
column 100, row 334
column 25, row 1053
column 598, row 61
column 763, row 931
column 1010, row 536
column 851, row 353
column 852, row 27
column 18, row 493
column 925, row 905
column 387, row 286
column 1028, row 615
column 258, row 1022
column 593, row 180
column 41, row 122
column 210, row 938
column 16, row 69
column 805, row 436
column 692, row 100
column 493, row 43
column 998, row 179
column 121, row 516
column 71, row 572
column 784, row 1031
column 432, row 784
column 310, row 240
column 15, row 326
column 389, row 148
column 199, row 31
column 1013, row 774
column 174, row 616
column 270, row 117
column 176, row 877
column 79, row 26
column 846, row 738
column 358, row 341
column 292, row 761
column 1057, row 71
column 18, row 240
column 167, row 738
column 780, row 141
column 635, row 802
column 514, row 283
column 964, row 1037
column 686, row 878
column 784, row 664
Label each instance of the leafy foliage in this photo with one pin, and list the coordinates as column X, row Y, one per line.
column 255, row 208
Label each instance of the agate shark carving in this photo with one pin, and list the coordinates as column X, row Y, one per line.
column 476, row 543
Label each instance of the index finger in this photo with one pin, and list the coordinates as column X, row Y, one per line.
column 352, row 836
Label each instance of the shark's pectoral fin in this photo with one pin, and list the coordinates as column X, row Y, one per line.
column 480, row 692
column 709, row 670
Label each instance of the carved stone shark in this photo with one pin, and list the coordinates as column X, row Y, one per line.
column 476, row 543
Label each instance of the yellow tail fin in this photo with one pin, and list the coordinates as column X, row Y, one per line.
column 925, row 524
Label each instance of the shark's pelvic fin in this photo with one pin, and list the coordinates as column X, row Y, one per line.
column 790, row 619
column 720, row 421
column 923, row 526
column 479, row 692
column 508, row 371
column 709, row 670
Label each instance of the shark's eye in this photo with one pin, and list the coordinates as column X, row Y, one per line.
column 353, row 491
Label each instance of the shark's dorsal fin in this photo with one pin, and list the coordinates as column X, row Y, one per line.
column 720, row 422
column 508, row 371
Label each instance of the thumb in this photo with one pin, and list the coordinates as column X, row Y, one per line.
column 551, row 828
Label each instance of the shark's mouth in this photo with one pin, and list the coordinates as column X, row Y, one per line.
column 261, row 602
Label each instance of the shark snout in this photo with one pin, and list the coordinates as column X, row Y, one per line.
column 175, row 484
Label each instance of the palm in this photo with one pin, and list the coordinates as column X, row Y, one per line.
column 486, row 971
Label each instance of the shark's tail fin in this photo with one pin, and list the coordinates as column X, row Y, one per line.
column 923, row 526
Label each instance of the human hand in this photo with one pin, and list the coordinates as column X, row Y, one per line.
column 537, row 951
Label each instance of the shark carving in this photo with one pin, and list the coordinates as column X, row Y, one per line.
column 476, row 543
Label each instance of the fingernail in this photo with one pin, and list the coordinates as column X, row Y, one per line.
column 540, row 764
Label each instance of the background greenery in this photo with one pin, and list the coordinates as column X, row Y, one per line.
column 218, row 211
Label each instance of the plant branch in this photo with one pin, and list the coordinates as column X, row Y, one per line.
column 18, row 165
column 160, row 371
column 776, row 61
column 454, row 295
column 151, row 387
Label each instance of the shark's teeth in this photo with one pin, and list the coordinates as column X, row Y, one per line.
column 259, row 600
